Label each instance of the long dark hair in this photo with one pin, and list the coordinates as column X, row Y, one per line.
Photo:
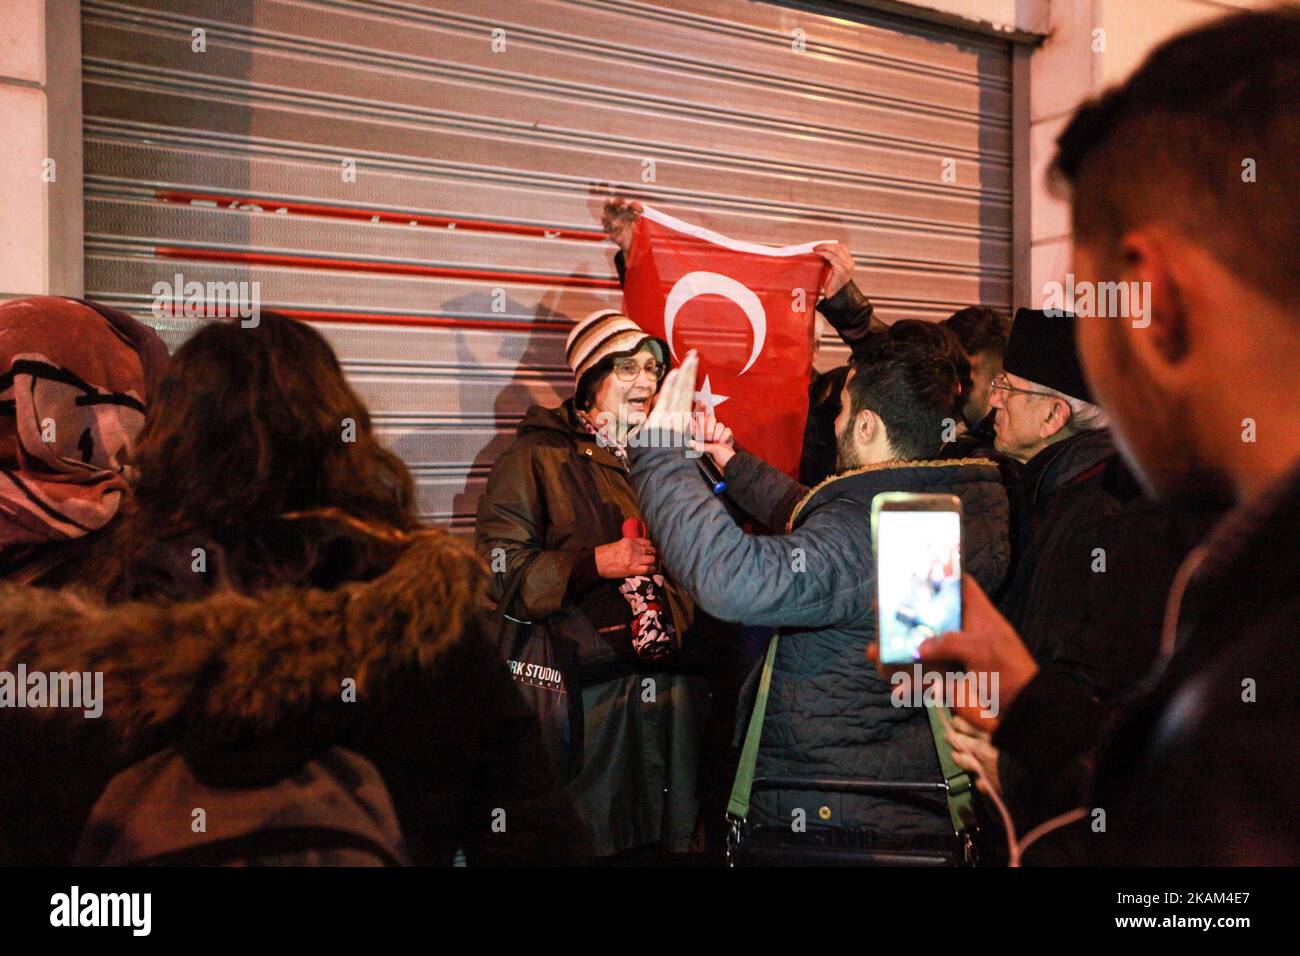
column 251, row 424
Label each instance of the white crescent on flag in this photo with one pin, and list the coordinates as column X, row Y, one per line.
column 712, row 283
column 763, row 382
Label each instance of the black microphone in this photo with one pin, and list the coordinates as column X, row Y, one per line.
column 711, row 474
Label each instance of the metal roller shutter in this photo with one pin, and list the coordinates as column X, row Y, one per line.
column 447, row 274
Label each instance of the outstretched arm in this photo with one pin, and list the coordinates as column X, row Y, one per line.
column 816, row 576
column 617, row 218
column 849, row 312
column 766, row 493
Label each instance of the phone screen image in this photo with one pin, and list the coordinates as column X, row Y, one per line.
column 918, row 572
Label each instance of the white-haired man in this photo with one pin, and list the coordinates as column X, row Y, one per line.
column 1040, row 398
column 1080, row 520
column 1093, row 556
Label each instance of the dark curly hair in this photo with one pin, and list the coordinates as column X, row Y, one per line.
column 941, row 340
column 980, row 329
column 250, row 424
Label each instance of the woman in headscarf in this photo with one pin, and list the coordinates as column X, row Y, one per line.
column 74, row 380
column 560, row 523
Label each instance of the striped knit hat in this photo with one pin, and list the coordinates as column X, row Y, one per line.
column 603, row 333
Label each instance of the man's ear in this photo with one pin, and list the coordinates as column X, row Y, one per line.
column 1154, row 258
column 1058, row 416
column 866, row 426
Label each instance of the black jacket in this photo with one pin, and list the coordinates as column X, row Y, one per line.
column 854, row 319
column 1093, row 560
column 975, row 444
column 248, row 687
column 829, row 713
column 554, row 496
column 1204, row 768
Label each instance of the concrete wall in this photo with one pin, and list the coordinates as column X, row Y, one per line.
column 40, row 151
column 1091, row 45
column 1019, row 19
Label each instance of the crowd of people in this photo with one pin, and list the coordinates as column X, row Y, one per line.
column 291, row 669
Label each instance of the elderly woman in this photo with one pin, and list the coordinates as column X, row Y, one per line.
column 557, row 506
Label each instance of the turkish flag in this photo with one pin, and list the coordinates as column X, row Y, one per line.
column 747, row 309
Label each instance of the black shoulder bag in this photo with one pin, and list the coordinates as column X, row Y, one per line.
column 543, row 667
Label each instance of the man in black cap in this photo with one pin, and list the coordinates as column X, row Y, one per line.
column 1082, row 523
column 1093, row 556
column 1040, row 399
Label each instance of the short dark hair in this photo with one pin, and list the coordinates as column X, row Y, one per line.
column 938, row 338
column 910, row 387
column 585, row 396
column 1171, row 145
column 980, row 329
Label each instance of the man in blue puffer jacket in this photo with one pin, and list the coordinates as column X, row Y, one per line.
column 829, row 715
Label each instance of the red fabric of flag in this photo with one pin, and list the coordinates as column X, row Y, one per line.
column 747, row 310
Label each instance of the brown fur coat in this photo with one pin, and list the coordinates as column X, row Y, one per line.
column 249, row 685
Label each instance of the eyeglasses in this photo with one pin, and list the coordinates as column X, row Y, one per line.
column 1003, row 384
column 628, row 370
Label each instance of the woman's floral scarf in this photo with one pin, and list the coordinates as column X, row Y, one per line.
column 653, row 634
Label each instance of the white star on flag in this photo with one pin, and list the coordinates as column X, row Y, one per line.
column 710, row 400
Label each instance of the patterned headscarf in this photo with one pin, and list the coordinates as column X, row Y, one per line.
column 74, row 379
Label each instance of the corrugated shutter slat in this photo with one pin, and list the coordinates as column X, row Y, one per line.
column 226, row 165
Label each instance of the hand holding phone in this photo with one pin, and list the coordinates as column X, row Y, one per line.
column 917, row 543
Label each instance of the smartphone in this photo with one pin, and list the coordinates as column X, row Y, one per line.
column 917, row 543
